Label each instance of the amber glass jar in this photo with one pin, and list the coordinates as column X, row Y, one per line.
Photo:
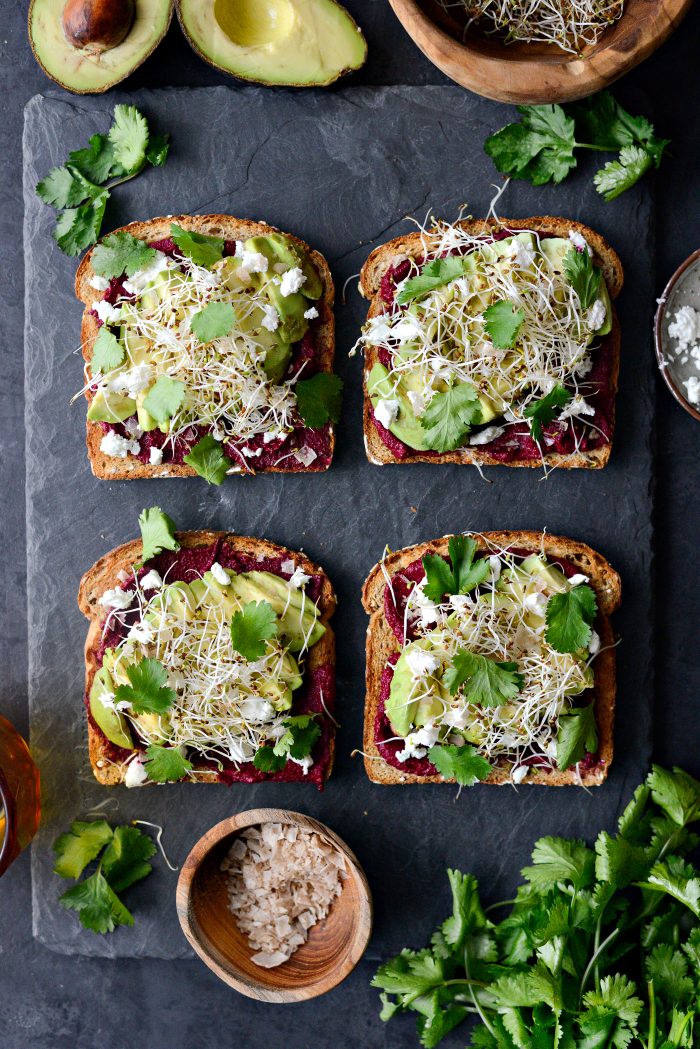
column 20, row 799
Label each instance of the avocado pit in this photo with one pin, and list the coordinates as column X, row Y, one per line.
column 97, row 25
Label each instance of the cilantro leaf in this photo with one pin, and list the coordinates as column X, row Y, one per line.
column 618, row 861
column 124, row 861
column 463, row 764
column 503, row 322
column 449, row 417
column 297, row 742
column 147, row 692
column 265, row 760
column 98, row 906
column 467, row 572
column 434, row 275
column 616, row 993
column 107, row 352
column 158, row 149
column 65, row 187
column 410, row 974
column 619, row 175
column 120, row 253
column 540, row 148
column 577, row 736
column 677, row 879
column 200, row 248
column 78, row 228
column 489, row 683
column 603, row 123
column 560, row 860
column 214, row 321
column 677, row 793
column 208, row 460
column 569, row 618
column 82, row 844
column 157, row 532
column 166, row 764
column 439, row 577
column 542, row 412
column 96, row 162
column 583, row 276
column 164, row 398
column 252, row 627
column 128, row 136
column 319, row 399
column 669, row 971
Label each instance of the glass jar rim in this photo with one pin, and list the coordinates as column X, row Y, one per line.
column 7, row 808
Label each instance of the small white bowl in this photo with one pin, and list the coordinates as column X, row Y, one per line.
column 683, row 289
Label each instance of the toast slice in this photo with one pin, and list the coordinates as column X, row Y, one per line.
column 107, row 574
column 382, row 645
column 229, row 229
column 413, row 246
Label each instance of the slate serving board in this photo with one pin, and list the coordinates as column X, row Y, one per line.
column 341, row 170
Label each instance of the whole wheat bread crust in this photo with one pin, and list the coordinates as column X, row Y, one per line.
column 229, row 228
column 104, row 575
column 383, row 257
column 381, row 644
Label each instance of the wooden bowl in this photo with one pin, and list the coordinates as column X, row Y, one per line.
column 670, row 369
column 538, row 73
column 333, row 949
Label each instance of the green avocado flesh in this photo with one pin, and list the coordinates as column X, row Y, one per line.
column 298, row 628
column 385, row 386
column 297, row 43
column 83, row 72
column 412, row 704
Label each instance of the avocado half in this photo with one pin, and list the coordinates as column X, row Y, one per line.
column 289, row 43
column 90, row 70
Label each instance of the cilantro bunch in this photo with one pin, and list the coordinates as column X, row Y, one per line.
column 600, row 948
column 541, row 147
column 80, row 188
column 122, row 856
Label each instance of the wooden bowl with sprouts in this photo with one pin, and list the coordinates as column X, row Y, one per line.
column 275, row 904
column 538, row 51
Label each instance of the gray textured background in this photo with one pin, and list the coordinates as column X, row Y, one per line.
column 51, row 1002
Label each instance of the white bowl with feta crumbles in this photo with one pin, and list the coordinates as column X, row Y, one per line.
column 677, row 333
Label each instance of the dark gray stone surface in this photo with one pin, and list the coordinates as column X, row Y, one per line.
column 78, row 1003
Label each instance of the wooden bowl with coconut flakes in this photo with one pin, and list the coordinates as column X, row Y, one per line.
column 258, row 863
column 535, row 73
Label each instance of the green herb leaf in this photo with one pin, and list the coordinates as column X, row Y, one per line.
column 252, row 627
column 157, row 532
column 540, row 149
column 82, row 844
column 164, row 398
column 503, row 322
column 158, row 149
column 603, row 123
column 107, row 352
column 621, row 174
column 542, row 412
column 208, row 460
column 166, row 764
column 65, row 187
column 569, row 618
column 440, row 579
column 214, row 321
column 128, row 136
column 319, row 399
column 677, row 879
column 450, row 416
column 583, row 276
column 462, row 764
column 265, row 760
column 124, row 861
column 669, row 971
column 78, row 228
column 98, row 906
column 96, row 162
column 560, row 860
column 120, row 253
column 200, row 248
column 488, row 683
column 467, row 572
column 618, row 862
column 677, row 793
column 147, row 692
column 577, row 736
column 298, row 741
column 434, row 275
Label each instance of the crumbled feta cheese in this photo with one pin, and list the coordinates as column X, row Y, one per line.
column 519, row 774
column 386, row 410
column 417, row 400
column 251, row 453
column 457, row 717
column 305, row 763
column 251, row 261
column 377, row 330
column 425, row 610
column 417, row 744
column 685, row 327
column 460, row 601
column 152, row 580
column 271, row 318
column 129, row 287
column 141, row 632
column 98, row 283
column 240, row 750
column 305, row 455
column 579, row 241
column 259, row 711
column 220, row 574
column 136, row 773
column 584, row 366
column 311, row 314
column 487, row 435
column 536, row 603
column 107, row 313
column 406, row 330
column 299, row 579
column 141, row 278
column 132, row 381
column 594, row 643
column 577, row 407
column 576, row 580
column 155, row 456
column 421, row 663
column 595, row 318
column 692, row 386
column 117, row 598
column 118, row 447
column 292, row 281
column 494, row 567
column 523, row 255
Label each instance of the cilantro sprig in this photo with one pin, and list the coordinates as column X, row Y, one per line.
column 459, row 575
column 147, row 691
column 319, row 399
column 600, row 948
column 80, row 189
column 125, row 852
column 462, row 764
column 541, row 148
column 544, row 410
column 252, row 628
column 503, row 323
column 157, row 532
column 434, row 275
column 570, row 616
column 208, row 459
column 486, row 682
column 450, row 416
column 297, row 742
column 165, row 764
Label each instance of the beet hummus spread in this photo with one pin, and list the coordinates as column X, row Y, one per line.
column 316, row 695
column 250, row 455
column 396, row 595
column 516, row 444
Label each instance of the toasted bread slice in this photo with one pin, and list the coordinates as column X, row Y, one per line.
column 382, row 644
column 229, row 228
column 104, row 575
column 412, row 245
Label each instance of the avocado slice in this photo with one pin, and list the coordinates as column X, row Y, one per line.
column 94, row 67
column 406, row 426
column 297, row 614
column 278, row 248
column 114, row 725
column 294, row 43
column 113, row 410
column 402, row 711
